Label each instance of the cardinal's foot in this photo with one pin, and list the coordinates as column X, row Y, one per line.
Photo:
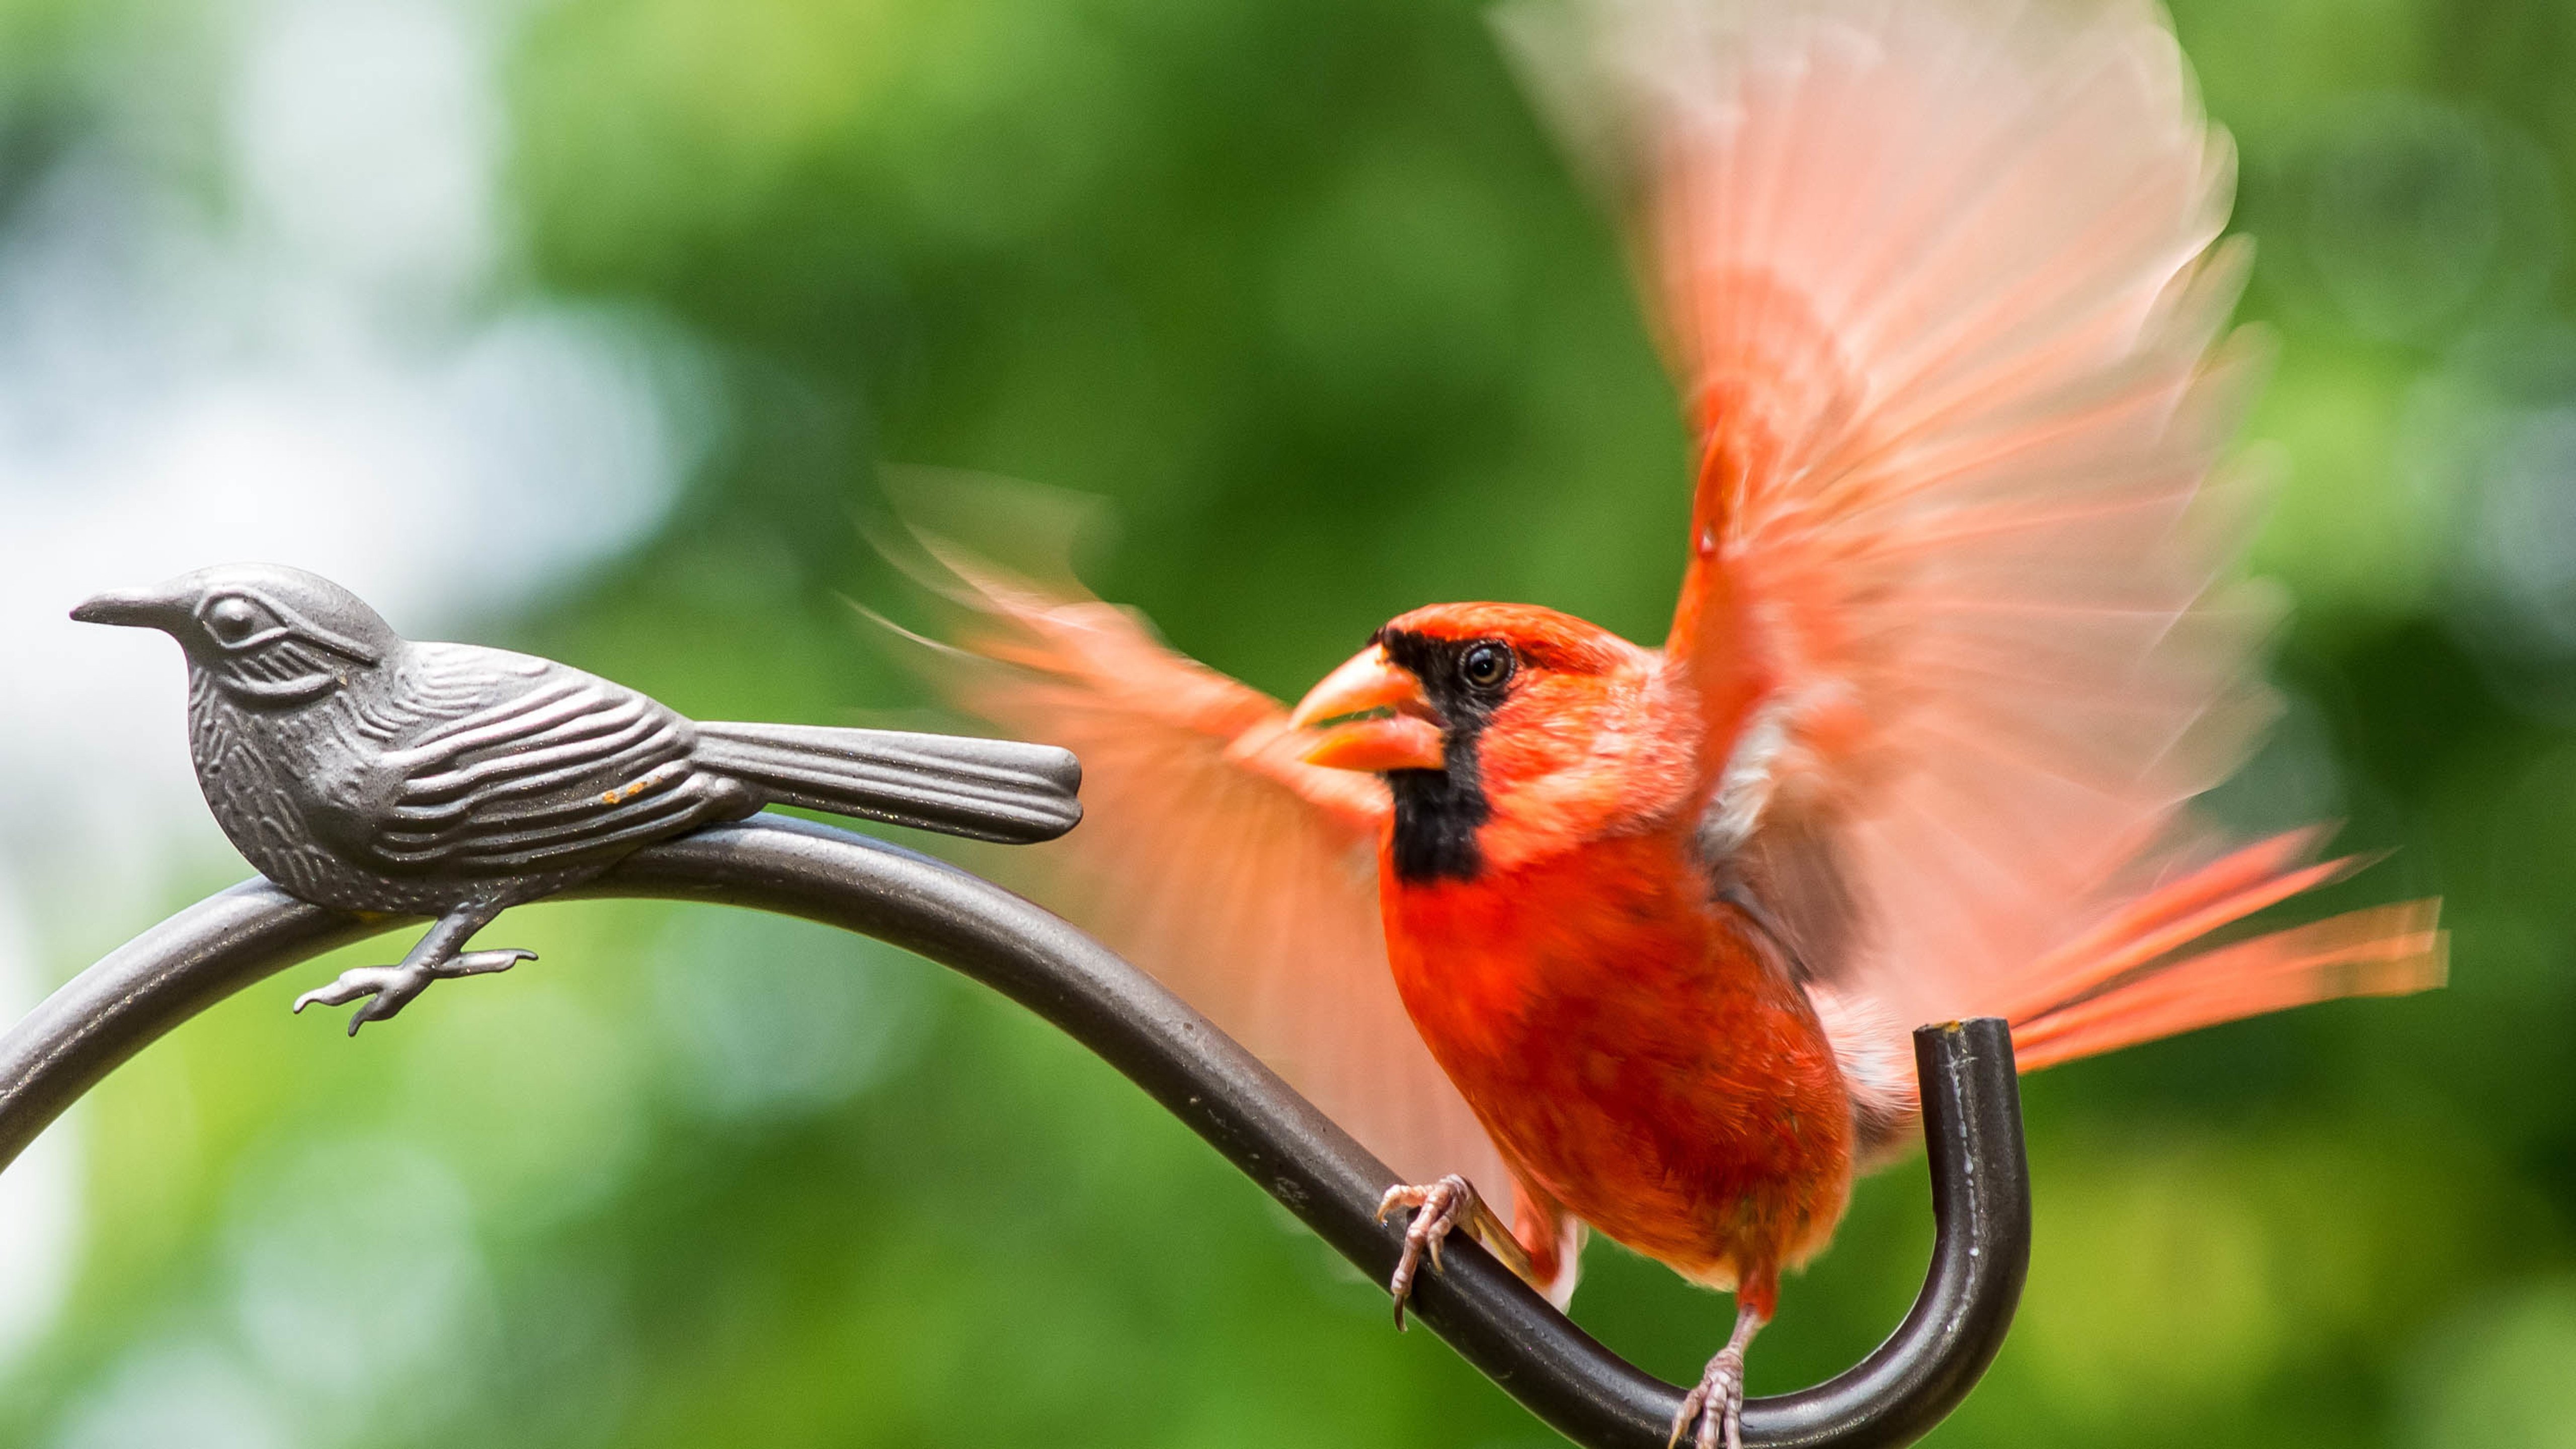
column 1439, row 1206
column 393, row 987
column 1715, row 1406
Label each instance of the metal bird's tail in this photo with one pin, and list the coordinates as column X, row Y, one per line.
column 982, row 789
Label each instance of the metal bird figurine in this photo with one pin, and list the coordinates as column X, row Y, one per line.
column 362, row 771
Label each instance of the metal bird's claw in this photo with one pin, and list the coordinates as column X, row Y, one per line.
column 393, row 987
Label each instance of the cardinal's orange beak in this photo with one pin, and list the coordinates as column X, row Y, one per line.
column 1370, row 715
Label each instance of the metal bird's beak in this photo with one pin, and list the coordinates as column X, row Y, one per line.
column 1370, row 715
column 134, row 608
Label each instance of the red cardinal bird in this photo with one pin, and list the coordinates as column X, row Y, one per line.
column 1952, row 655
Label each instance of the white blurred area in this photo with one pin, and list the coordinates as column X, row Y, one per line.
column 298, row 344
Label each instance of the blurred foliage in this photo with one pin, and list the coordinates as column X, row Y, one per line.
column 1302, row 290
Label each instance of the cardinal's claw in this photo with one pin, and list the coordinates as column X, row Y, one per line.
column 1442, row 1205
column 393, row 987
column 1715, row 1405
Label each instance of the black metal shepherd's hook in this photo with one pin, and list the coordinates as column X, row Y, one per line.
column 1971, row 1111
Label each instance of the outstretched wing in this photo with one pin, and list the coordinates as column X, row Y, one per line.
column 1939, row 283
column 1210, row 855
column 537, row 766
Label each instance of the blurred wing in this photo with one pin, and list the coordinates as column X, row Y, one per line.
column 1211, row 856
column 1939, row 283
column 564, row 767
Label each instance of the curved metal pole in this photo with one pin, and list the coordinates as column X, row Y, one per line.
column 1971, row 1112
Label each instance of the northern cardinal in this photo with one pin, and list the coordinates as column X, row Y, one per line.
column 1638, row 932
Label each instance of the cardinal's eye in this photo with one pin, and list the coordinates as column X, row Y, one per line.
column 231, row 620
column 1486, row 666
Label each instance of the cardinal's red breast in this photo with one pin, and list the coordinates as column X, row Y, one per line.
column 1637, row 1050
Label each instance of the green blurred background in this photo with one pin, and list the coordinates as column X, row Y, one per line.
column 1302, row 289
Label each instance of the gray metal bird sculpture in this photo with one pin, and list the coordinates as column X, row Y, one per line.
column 362, row 771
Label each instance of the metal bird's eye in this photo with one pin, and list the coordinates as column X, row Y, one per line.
column 234, row 619
column 1486, row 666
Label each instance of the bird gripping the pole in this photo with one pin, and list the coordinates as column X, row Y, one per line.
column 363, row 771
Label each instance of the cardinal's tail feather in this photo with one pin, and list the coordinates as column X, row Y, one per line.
column 2134, row 978
column 2383, row 951
column 982, row 789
